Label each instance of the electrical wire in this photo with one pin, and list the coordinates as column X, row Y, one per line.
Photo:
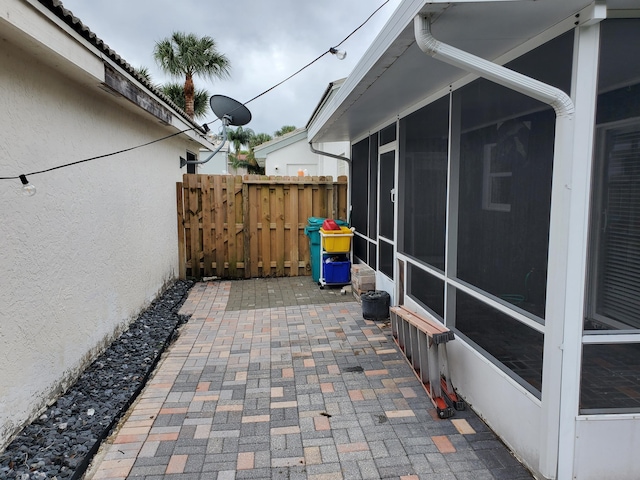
column 363, row 24
column 15, row 177
column 99, row 156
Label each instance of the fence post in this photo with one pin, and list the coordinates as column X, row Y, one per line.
column 207, row 246
column 182, row 254
column 247, row 230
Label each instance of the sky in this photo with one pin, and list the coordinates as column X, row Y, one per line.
column 265, row 41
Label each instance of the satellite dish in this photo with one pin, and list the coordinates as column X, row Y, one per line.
column 230, row 111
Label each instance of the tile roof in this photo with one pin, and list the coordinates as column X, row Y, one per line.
column 64, row 14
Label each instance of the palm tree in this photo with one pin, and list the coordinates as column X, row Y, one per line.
column 175, row 92
column 144, row 73
column 239, row 137
column 188, row 55
column 259, row 139
column 284, row 130
column 244, row 137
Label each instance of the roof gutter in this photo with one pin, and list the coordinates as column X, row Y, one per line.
column 560, row 205
column 332, row 155
column 344, row 159
column 560, row 101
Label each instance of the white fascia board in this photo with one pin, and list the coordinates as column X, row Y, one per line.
column 44, row 34
column 38, row 30
column 399, row 20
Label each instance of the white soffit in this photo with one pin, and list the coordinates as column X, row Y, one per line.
column 394, row 74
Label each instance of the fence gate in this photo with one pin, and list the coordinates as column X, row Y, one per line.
column 251, row 226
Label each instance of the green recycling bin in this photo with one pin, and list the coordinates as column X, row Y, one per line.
column 312, row 230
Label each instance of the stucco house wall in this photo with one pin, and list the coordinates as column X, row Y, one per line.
column 216, row 165
column 287, row 154
column 98, row 242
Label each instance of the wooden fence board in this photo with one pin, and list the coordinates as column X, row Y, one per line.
column 231, row 227
column 279, row 250
column 218, row 216
column 294, row 231
column 182, row 251
column 254, row 239
column 207, row 244
column 246, row 238
column 194, row 224
column 243, row 227
column 265, row 205
column 341, row 208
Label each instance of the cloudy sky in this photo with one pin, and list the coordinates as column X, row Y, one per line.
column 265, row 41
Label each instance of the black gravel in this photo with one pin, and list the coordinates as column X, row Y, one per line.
column 62, row 442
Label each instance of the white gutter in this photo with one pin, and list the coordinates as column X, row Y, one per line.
column 344, row 159
column 560, row 101
column 332, row 155
column 551, row 427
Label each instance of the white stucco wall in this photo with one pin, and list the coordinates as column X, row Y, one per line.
column 332, row 166
column 217, row 165
column 96, row 243
column 298, row 155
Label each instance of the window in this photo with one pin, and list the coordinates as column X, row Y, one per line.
column 614, row 299
column 506, row 165
column 515, row 346
column 505, row 196
column 364, row 194
column 427, row 290
column 385, row 251
column 388, row 134
column 359, row 186
column 422, row 195
column 610, row 373
column 610, row 378
column 191, row 157
column 616, row 252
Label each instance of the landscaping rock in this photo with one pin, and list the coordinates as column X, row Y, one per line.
column 62, row 441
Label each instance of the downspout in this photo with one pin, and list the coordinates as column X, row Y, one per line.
column 560, row 101
column 344, row 159
column 552, row 427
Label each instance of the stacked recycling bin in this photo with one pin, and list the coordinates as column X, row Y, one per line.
column 312, row 230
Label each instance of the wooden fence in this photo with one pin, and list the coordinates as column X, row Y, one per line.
column 251, row 226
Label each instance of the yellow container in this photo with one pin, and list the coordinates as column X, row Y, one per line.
column 337, row 240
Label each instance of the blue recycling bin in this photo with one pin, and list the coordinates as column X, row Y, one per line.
column 312, row 230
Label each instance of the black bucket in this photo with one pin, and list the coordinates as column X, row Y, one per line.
column 375, row 305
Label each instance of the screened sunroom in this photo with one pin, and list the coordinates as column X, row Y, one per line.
column 507, row 206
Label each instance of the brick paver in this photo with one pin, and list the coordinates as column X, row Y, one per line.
column 263, row 383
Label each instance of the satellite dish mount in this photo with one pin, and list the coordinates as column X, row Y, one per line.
column 229, row 112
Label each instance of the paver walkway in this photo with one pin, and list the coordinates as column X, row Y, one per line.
column 298, row 391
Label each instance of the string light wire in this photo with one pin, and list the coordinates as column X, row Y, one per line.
column 97, row 157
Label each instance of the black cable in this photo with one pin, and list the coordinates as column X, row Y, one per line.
column 362, row 25
column 289, row 77
column 98, row 156
column 193, row 128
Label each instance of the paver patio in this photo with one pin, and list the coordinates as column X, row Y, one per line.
column 298, row 390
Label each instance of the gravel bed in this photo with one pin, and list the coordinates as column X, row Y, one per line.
column 62, row 442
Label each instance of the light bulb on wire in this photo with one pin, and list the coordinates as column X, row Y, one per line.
column 340, row 54
column 28, row 190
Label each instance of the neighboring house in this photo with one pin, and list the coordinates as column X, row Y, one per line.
column 217, row 165
column 509, row 209
column 290, row 154
column 98, row 242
